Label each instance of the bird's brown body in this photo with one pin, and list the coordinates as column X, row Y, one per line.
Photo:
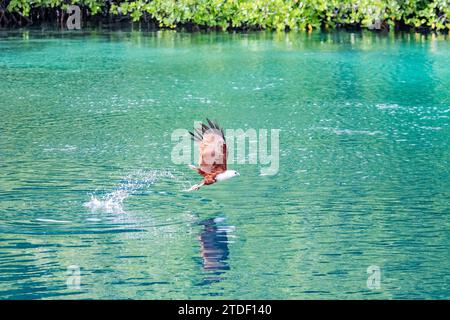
column 212, row 151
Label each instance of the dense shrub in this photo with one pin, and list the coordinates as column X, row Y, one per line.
column 263, row 14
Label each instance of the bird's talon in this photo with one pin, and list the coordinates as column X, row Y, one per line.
column 194, row 187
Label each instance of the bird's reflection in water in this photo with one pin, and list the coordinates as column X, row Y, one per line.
column 214, row 249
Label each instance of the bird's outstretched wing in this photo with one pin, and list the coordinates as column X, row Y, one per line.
column 212, row 147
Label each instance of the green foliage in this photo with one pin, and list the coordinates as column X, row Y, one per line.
column 268, row 14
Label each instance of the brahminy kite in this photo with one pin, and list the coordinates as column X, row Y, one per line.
column 213, row 154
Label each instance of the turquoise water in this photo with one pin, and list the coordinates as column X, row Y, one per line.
column 86, row 177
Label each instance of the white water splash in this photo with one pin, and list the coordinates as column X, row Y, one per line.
column 112, row 202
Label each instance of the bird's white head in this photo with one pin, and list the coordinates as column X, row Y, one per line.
column 227, row 175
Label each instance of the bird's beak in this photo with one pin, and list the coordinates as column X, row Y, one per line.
column 238, row 173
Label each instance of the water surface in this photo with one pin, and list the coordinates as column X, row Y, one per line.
column 86, row 177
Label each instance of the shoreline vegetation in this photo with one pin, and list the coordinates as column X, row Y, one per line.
column 237, row 15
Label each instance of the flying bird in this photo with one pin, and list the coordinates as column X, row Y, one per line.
column 212, row 160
